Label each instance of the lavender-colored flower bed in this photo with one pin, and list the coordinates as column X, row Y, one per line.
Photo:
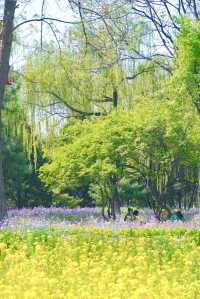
column 49, row 217
column 63, row 218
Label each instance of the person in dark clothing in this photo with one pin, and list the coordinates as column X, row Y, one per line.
column 177, row 216
column 131, row 215
column 135, row 213
column 180, row 216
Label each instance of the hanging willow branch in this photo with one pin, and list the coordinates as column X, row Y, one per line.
column 73, row 109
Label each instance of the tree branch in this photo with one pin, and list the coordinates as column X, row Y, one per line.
column 44, row 19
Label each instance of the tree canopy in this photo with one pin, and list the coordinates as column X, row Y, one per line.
column 105, row 112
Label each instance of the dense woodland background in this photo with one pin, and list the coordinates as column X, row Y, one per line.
column 103, row 110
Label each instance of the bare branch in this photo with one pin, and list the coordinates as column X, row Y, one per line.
column 45, row 19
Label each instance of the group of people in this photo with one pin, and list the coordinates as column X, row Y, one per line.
column 176, row 216
column 133, row 215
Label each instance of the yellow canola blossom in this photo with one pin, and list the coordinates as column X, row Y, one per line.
column 97, row 266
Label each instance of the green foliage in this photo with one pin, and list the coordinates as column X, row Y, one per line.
column 66, row 200
column 17, row 169
column 82, row 77
column 147, row 147
column 187, row 73
column 23, row 187
column 132, row 194
column 71, row 83
column 145, row 151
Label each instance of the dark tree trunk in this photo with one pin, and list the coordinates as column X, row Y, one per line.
column 115, row 98
column 2, row 192
column 180, row 200
column 5, row 49
column 193, row 197
column 113, row 208
column 109, row 209
column 115, row 204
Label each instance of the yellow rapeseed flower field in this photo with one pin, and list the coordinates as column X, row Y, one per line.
column 98, row 264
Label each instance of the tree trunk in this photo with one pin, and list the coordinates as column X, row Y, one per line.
column 193, row 197
column 115, row 204
column 5, row 49
column 115, row 98
column 179, row 200
column 198, row 190
column 2, row 193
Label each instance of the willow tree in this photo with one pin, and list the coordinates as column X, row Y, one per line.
column 6, row 38
column 70, row 84
column 91, row 75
